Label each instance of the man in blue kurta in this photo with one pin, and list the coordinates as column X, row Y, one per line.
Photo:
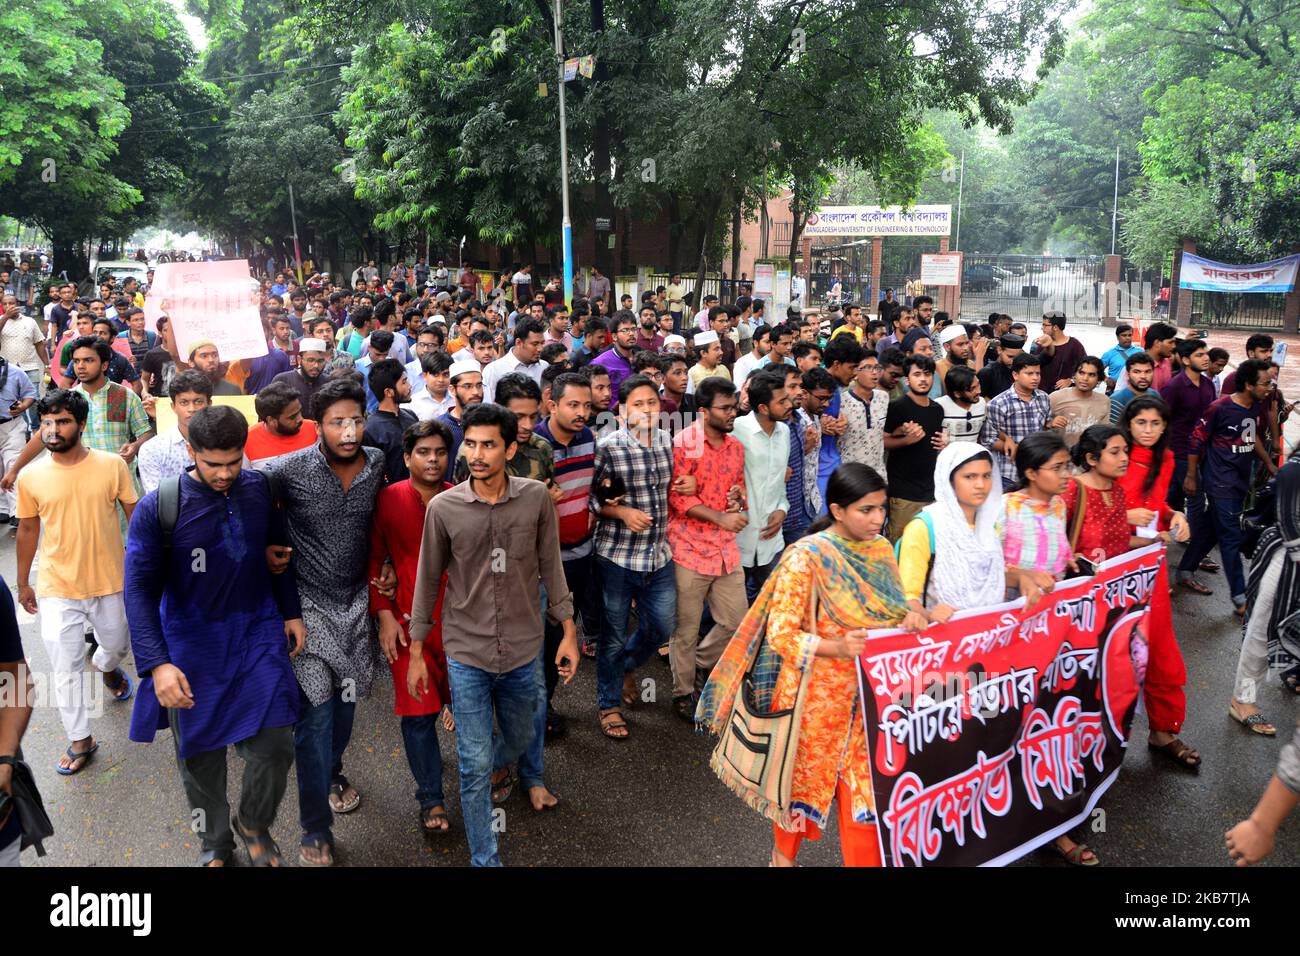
column 212, row 631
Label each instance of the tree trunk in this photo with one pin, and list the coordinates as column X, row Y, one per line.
column 736, row 218
column 624, row 255
column 674, row 235
column 706, row 235
column 68, row 257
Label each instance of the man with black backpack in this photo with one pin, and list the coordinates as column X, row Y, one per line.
column 212, row 631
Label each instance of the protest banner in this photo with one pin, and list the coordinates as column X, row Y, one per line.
column 208, row 300
column 999, row 730
column 165, row 415
column 1276, row 275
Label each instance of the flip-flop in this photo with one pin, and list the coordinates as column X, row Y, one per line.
column 1195, row 586
column 120, row 695
column 336, row 793
column 1255, row 723
column 83, row 758
column 431, row 814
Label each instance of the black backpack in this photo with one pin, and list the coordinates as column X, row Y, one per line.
column 1261, row 516
column 169, row 505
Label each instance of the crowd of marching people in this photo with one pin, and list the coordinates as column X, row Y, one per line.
column 466, row 487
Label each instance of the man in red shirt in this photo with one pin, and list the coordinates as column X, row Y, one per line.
column 280, row 429
column 702, row 530
column 419, row 666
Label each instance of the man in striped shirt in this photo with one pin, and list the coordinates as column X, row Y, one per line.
column 574, row 447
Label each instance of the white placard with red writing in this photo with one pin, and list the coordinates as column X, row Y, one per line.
column 208, row 300
column 941, row 268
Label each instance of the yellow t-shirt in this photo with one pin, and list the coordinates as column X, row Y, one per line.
column 81, row 543
column 699, row 373
column 847, row 329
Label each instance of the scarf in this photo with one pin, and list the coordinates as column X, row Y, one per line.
column 968, row 563
column 857, row 586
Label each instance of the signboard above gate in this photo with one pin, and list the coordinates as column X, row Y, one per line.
column 880, row 221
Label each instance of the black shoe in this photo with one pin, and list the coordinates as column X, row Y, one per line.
column 684, row 707
column 556, row 724
column 13, row 521
column 4, row 517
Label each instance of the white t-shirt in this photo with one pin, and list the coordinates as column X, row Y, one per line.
column 963, row 424
column 18, row 341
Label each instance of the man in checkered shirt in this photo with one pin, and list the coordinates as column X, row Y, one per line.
column 1015, row 414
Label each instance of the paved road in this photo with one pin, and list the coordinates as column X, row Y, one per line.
column 649, row 801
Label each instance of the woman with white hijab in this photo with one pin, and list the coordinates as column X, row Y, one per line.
column 949, row 555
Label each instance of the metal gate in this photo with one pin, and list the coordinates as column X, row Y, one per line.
column 1024, row 287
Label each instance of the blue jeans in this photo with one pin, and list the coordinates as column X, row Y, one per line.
column 420, row 738
column 1219, row 523
column 515, row 699
column 618, row 653
column 319, row 739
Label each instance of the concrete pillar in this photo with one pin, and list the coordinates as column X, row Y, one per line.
column 1180, row 300
column 1110, row 291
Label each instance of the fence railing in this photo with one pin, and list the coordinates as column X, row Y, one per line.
column 1237, row 310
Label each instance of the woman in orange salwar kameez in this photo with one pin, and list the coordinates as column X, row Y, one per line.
column 853, row 571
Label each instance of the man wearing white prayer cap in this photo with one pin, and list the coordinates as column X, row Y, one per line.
column 709, row 350
column 957, row 349
column 308, row 376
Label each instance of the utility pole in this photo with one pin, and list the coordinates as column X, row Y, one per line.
column 1114, row 209
column 567, row 224
column 297, row 254
column 961, row 182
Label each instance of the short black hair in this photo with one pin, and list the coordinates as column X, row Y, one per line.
column 424, row 429
column 892, row 357
column 802, row 349
column 633, row 382
column 526, row 326
column 566, row 380
column 341, row 389
column 959, row 378
column 1249, row 372
column 1095, row 362
column 817, row 377
column 1056, row 318
column 621, row 318
column 1158, row 332
column 762, row 385
column 189, row 380
column 841, row 349
column 491, row 415
column 383, row 375
column 1259, row 341
column 917, row 360
column 1025, row 360
column 709, row 390
column 361, row 315
column 219, row 428
column 272, row 400
column 101, row 348
column 593, row 371
column 517, row 385
column 480, row 337
column 381, row 340
column 1139, row 358
column 64, row 400
column 435, row 362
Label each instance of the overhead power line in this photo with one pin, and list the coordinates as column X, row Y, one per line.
column 239, row 76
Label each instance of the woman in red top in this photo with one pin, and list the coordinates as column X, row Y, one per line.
column 1145, row 423
column 1102, row 454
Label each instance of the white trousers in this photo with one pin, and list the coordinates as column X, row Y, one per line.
column 1252, row 664
column 13, row 436
column 63, row 629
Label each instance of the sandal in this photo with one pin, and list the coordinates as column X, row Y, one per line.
column 611, row 721
column 501, row 789
column 262, row 849
column 631, row 692
column 122, row 688
column 1292, row 681
column 316, row 843
column 208, row 857
column 79, row 760
column 1256, row 723
column 1180, row 753
column 1195, row 586
column 1075, row 857
column 588, row 649
column 1210, row 566
column 437, row 816
column 337, row 790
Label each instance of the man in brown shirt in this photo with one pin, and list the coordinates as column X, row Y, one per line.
column 497, row 539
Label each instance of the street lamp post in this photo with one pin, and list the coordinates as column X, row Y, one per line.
column 567, row 224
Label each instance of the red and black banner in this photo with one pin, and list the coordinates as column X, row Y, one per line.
column 1000, row 729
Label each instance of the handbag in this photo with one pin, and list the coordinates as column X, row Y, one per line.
column 29, row 806
column 756, row 752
